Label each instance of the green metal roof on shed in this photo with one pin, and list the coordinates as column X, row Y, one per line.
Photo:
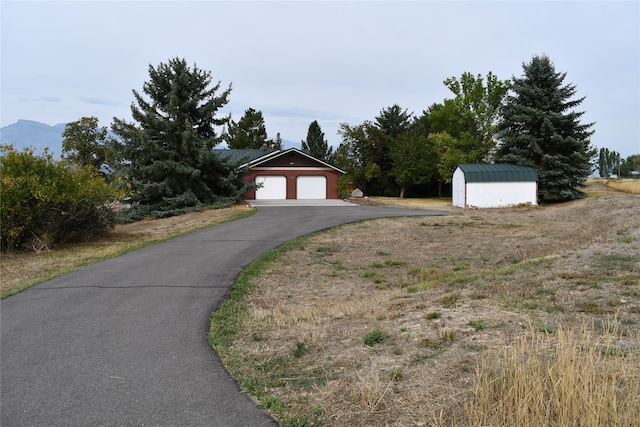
column 497, row 172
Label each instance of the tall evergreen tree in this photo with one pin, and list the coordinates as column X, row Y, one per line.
column 277, row 144
column 249, row 132
column 166, row 154
column 316, row 144
column 422, row 124
column 393, row 121
column 540, row 128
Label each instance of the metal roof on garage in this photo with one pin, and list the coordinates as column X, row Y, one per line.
column 245, row 154
column 497, row 172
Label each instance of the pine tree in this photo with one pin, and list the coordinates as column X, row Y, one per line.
column 166, row 154
column 316, row 144
column 275, row 144
column 540, row 128
column 249, row 132
column 393, row 121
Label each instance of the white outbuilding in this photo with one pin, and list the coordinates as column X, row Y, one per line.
column 494, row 185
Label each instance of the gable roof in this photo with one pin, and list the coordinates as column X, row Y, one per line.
column 263, row 159
column 497, row 172
column 248, row 154
column 255, row 157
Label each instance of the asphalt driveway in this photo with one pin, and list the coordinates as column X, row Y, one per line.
column 123, row 342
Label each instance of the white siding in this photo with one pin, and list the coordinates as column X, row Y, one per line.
column 273, row 187
column 311, row 187
column 500, row 194
column 457, row 188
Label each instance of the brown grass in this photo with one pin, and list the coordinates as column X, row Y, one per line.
column 567, row 378
column 631, row 186
column 23, row 269
column 450, row 294
column 471, row 307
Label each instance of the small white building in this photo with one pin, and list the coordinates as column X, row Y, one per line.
column 494, row 185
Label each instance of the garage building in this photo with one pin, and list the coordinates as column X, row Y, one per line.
column 287, row 174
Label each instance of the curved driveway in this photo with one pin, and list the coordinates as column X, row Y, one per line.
column 123, row 342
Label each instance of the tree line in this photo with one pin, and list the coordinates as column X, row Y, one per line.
column 611, row 164
column 530, row 120
column 162, row 162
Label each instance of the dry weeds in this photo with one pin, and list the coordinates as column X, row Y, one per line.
column 631, row 186
column 447, row 291
column 561, row 379
column 452, row 295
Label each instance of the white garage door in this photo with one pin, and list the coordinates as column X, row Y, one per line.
column 311, row 187
column 273, row 187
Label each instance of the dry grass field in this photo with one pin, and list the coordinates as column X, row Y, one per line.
column 525, row 316
column 631, row 186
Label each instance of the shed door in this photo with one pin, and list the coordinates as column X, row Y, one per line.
column 311, row 187
column 273, row 187
column 458, row 189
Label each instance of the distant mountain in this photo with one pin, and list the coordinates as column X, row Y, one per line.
column 290, row 144
column 27, row 133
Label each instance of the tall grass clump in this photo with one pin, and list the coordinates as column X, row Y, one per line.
column 567, row 378
column 631, row 186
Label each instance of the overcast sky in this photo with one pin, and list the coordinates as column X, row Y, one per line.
column 328, row 61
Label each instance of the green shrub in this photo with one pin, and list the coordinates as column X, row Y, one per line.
column 300, row 349
column 376, row 336
column 45, row 202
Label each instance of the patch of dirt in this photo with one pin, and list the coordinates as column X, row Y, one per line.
column 445, row 291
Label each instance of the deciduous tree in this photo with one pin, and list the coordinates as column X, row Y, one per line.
column 471, row 117
column 413, row 160
column 630, row 166
column 84, row 142
column 540, row 128
column 46, row 202
column 357, row 154
column 448, row 155
column 609, row 163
